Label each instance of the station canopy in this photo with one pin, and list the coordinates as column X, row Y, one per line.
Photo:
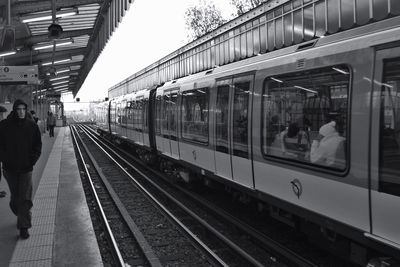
column 63, row 38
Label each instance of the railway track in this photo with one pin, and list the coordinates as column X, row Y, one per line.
column 157, row 238
column 241, row 241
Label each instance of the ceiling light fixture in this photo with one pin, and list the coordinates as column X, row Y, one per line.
column 7, row 53
column 47, row 15
column 57, row 83
column 59, row 78
column 56, row 61
column 63, row 71
column 46, row 46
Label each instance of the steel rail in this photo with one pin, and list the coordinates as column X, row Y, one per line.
column 210, row 228
column 147, row 251
column 117, row 252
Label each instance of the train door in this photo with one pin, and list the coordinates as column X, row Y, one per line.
column 140, row 119
column 173, row 123
column 385, row 149
column 223, row 167
column 164, row 127
column 233, row 129
column 242, row 171
column 158, row 122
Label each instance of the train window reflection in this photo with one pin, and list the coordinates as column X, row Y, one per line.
column 305, row 116
column 390, row 129
column 222, row 115
column 158, row 115
column 195, row 115
column 240, row 119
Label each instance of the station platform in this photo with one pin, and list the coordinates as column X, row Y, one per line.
column 62, row 232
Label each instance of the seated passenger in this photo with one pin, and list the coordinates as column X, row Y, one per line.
column 295, row 142
column 329, row 148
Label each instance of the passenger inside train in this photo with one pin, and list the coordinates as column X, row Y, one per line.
column 328, row 148
column 295, row 142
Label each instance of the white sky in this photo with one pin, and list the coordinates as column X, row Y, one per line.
column 149, row 31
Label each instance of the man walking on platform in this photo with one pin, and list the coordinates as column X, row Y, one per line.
column 51, row 123
column 20, row 148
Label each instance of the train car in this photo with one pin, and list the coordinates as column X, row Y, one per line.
column 311, row 130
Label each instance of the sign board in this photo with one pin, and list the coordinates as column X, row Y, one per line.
column 19, row 74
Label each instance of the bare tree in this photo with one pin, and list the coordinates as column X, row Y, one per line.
column 202, row 19
column 242, row 6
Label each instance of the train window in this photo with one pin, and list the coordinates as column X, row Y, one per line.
column 195, row 115
column 240, row 119
column 164, row 114
column 145, row 115
column 158, row 115
column 138, row 115
column 172, row 115
column 129, row 115
column 390, row 129
column 222, row 115
column 305, row 116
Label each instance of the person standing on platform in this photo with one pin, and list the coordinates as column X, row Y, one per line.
column 20, row 148
column 51, row 123
column 2, row 110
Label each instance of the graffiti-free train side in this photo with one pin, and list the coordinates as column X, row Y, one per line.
column 312, row 133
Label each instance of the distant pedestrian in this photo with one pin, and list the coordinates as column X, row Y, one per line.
column 35, row 118
column 51, row 123
column 20, row 148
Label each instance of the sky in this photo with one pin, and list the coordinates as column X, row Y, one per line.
column 150, row 30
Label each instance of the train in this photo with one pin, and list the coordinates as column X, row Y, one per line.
column 311, row 131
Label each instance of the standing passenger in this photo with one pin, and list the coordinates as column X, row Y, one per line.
column 20, row 148
column 51, row 123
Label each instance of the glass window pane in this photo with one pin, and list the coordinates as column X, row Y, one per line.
column 222, row 114
column 226, row 48
column 271, row 36
column 195, row 115
column 394, row 6
column 278, row 32
column 298, row 26
column 164, row 114
column 362, row 10
column 380, row 9
column 231, row 46
column 145, row 114
column 158, row 115
column 256, row 40
column 172, row 115
column 308, row 23
column 243, row 49
column 240, row 119
column 333, row 15
column 288, row 29
column 237, row 44
column 249, row 40
column 305, row 116
column 390, row 129
column 263, row 35
column 347, row 14
column 320, row 18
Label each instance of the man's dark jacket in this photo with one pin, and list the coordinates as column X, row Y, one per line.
column 20, row 143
